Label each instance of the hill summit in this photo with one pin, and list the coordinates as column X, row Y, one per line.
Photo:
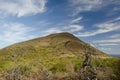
column 53, row 57
column 62, row 42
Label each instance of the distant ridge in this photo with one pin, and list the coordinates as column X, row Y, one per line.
column 116, row 55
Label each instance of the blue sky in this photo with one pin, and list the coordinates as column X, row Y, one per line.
column 94, row 21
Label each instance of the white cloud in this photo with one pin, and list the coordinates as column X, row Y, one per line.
column 115, row 36
column 14, row 32
column 70, row 28
column 102, row 28
column 52, row 30
column 105, row 49
column 76, row 20
column 73, row 28
column 90, row 5
column 114, row 20
column 85, row 5
column 112, row 25
column 107, row 41
column 109, row 44
column 116, row 8
column 22, row 7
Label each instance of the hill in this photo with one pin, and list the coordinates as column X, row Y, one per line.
column 54, row 57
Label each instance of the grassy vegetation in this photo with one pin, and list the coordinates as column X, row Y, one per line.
column 109, row 65
column 41, row 58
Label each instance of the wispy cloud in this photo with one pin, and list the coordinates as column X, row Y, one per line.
column 109, row 26
column 52, row 30
column 14, row 32
column 115, row 36
column 114, row 20
column 76, row 20
column 105, row 49
column 107, row 41
column 106, row 45
column 69, row 28
column 73, row 28
column 109, row 44
column 22, row 7
column 84, row 5
column 89, row 5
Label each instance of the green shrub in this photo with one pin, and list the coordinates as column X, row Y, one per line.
column 59, row 67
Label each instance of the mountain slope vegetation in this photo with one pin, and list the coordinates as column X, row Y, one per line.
column 54, row 57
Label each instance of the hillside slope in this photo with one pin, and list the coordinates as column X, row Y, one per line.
column 54, row 57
